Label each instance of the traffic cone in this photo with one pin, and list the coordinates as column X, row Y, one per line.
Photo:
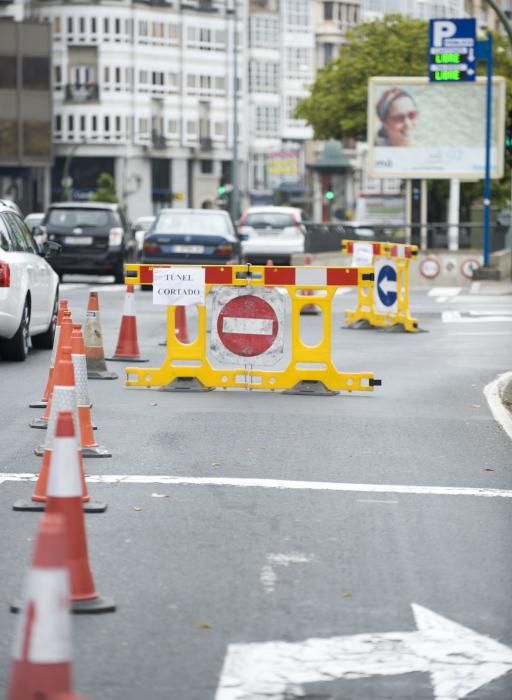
column 65, row 498
column 63, row 398
column 64, row 339
column 180, row 325
column 93, row 340
column 42, row 648
column 309, row 309
column 127, row 344
column 63, row 306
column 269, row 263
column 88, row 443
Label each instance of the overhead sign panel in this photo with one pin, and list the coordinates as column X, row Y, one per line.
column 451, row 54
column 421, row 129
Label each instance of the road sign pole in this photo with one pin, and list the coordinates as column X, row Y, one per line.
column 488, row 125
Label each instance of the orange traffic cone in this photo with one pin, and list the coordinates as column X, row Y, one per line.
column 180, row 325
column 309, row 309
column 63, row 398
column 63, row 306
column 65, row 498
column 64, row 339
column 93, row 339
column 42, row 649
column 90, row 447
column 127, row 344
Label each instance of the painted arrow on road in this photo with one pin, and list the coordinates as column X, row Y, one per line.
column 458, row 659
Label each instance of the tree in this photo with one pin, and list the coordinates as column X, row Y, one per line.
column 106, row 191
column 336, row 108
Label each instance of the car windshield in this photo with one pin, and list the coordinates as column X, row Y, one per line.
column 143, row 225
column 191, row 223
column 85, row 218
column 264, row 219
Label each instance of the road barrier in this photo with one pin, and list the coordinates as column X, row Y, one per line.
column 247, row 329
column 386, row 302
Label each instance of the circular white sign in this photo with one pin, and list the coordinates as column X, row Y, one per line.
column 467, row 267
column 430, row 268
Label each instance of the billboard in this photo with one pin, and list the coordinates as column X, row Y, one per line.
column 420, row 129
column 283, row 168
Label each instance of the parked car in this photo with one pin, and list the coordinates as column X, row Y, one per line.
column 29, row 289
column 95, row 237
column 191, row 237
column 274, row 233
column 140, row 227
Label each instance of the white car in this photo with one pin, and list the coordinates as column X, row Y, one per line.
column 271, row 233
column 29, row 288
column 141, row 227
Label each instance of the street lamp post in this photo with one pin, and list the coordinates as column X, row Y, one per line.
column 235, row 193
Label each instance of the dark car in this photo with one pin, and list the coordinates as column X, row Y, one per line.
column 95, row 238
column 191, row 237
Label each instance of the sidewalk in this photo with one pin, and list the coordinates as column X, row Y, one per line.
column 491, row 287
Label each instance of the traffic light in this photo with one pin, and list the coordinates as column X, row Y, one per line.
column 221, row 189
column 508, row 139
column 329, row 192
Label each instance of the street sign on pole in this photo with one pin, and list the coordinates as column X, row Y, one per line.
column 451, row 54
column 386, row 286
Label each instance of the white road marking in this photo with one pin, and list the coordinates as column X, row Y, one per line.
column 441, row 300
column 492, row 393
column 444, row 291
column 475, row 288
column 279, row 484
column 458, row 659
column 374, row 500
column 268, row 576
column 474, row 317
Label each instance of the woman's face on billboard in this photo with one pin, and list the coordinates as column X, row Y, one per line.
column 400, row 121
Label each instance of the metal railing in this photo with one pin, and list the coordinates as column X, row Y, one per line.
column 326, row 237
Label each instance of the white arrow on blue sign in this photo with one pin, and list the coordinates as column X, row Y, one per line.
column 386, row 292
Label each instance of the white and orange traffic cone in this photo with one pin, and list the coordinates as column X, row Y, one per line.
column 63, row 306
column 63, row 398
column 65, row 498
column 180, row 325
column 127, row 347
column 88, row 443
column 66, row 329
column 41, row 662
column 93, row 341
column 309, row 309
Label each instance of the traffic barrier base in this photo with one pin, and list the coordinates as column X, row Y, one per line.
column 187, row 366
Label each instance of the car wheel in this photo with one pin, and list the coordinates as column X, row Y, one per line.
column 44, row 341
column 17, row 347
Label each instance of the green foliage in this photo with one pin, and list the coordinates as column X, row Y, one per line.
column 106, row 191
column 396, row 45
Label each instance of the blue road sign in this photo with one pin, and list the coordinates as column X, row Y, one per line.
column 386, row 285
column 451, row 54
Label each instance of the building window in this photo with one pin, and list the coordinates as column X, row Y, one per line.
column 71, row 123
column 93, row 25
column 207, row 167
column 8, row 72
column 106, row 28
column 106, row 123
column 263, row 32
column 56, row 26
column 267, row 120
column 191, row 128
column 172, row 126
column 258, row 172
column 298, row 15
column 118, row 125
column 144, row 126
column 219, row 129
column 328, row 10
column 70, row 25
column 82, row 123
column 298, row 63
column 94, row 124
column 329, row 50
column 263, row 76
column 58, row 123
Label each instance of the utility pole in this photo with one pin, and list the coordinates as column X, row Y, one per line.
column 235, row 193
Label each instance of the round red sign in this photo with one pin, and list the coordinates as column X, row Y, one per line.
column 247, row 325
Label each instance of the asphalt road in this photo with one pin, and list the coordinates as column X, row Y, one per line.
column 195, row 567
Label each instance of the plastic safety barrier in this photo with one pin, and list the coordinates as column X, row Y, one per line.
column 243, row 334
column 386, row 302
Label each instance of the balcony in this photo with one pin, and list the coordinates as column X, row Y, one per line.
column 158, row 141
column 205, row 144
column 82, row 92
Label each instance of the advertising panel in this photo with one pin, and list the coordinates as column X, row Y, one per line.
column 283, row 168
column 419, row 129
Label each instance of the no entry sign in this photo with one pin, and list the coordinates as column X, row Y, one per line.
column 247, row 323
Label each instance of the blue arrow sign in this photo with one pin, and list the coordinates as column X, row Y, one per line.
column 451, row 54
column 386, row 285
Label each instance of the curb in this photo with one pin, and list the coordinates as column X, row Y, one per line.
column 499, row 397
